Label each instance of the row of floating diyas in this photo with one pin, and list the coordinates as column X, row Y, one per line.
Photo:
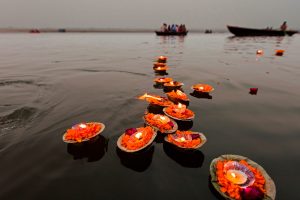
column 278, row 52
column 239, row 178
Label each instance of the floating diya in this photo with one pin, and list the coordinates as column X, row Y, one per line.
column 186, row 139
column 162, row 59
column 260, row 52
column 177, row 95
column 173, row 85
column 136, row 139
column 279, row 52
column 161, row 69
column 157, row 64
column 203, row 88
column 239, row 178
column 83, row 132
column 156, row 100
column 179, row 112
column 162, row 80
column 160, row 122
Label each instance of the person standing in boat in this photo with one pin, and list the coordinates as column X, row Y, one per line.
column 164, row 27
column 283, row 26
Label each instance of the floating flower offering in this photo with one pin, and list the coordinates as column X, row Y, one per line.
column 179, row 112
column 239, row 178
column 203, row 88
column 186, row 139
column 161, row 122
column 157, row 64
column 279, row 52
column 253, row 91
column 136, row 139
column 156, row 100
column 161, row 69
column 177, row 95
column 162, row 59
column 173, row 84
column 163, row 80
column 83, row 132
column 259, row 52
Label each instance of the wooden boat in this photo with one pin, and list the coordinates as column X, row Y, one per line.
column 240, row 31
column 160, row 33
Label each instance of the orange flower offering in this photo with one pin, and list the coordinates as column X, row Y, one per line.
column 162, row 122
column 156, row 100
column 259, row 52
column 163, row 80
column 162, row 59
column 279, row 52
column 203, row 88
column 232, row 180
column 179, row 112
column 160, row 69
column 136, row 138
column 178, row 95
column 185, row 139
column 173, row 84
column 157, row 64
column 82, row 132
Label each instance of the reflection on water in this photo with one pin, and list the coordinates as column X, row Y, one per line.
column 201, row 95
column 186, row 158
column 138, row 161
column 93, row 149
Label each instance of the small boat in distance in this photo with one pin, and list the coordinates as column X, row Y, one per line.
column 241, row 31
column 34, row 31
column 167, row 33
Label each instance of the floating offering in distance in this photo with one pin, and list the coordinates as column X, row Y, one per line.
column 177, row 95
column 239, row 178
column 161, row 69
column 162, row 80
column 162, row 59
column 136, row 139
column 160, row 122
column 83, row 132
column 279, row 52
column 253, row 91
column 186, row 139
column 260, row 52
column 179, row 112
column 173, row 85
column 203, row 88
column 157, row 64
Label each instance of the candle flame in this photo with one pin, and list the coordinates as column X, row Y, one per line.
column 162, row 117
column 233, row 175
column 179, row 93
column 180, row 105
column 138, row 135
column 171, row 83
column 82, row 125
column 145, row 96
column 182, row 139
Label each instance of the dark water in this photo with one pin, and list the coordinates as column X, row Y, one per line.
column 49, row 82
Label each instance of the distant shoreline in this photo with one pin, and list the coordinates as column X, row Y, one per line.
column 93, row 30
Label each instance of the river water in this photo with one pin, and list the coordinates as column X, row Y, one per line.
column 49, row 82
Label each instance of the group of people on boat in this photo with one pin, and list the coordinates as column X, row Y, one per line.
column 175, row 28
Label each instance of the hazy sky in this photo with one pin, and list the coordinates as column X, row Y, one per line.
column 196, row 14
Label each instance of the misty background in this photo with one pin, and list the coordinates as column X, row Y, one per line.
column 148, row 14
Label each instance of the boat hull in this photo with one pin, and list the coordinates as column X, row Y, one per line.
column 171, row 33
column 240, row 31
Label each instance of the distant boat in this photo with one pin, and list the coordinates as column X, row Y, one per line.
column 240, row 31
column 161, row 33
column 208, row 31
column 34, row 31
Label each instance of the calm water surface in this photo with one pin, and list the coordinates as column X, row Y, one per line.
column 49, row 82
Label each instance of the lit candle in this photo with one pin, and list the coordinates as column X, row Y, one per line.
column 164, row 119
column 82, row 125
column 180, row 108
column 259, row 52
column 179, row 93
column 201, row 88
column 172, row 83
column 236, row 177
column 279, row 52
column 138, row 135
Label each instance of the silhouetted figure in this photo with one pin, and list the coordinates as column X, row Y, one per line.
column 283, row 26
